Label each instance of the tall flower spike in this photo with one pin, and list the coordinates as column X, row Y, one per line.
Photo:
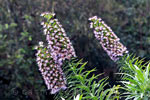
column 59, row 44
column 51, row 72
column 107, row 38
column 59, row 49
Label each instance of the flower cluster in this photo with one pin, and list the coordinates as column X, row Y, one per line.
column 51, row 72
column 58, row 43
column 51, row 57
column 107, row 38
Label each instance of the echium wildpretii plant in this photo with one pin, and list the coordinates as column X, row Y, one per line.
column 136, row 73
column 107, row 38
column 50, row 58
column 58, row 43
column 51, row 71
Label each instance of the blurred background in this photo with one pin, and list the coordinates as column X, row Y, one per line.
column 20, row 31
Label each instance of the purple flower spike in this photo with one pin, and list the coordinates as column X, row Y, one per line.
column 107, row 38
column 51, row 72
column 50, row 58
column 58, row 43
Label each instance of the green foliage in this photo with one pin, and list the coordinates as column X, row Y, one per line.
column 136, row 79
column 19, row 75
column 80, row 82
column 127, row 61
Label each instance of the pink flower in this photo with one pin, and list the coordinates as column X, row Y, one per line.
column 51, row 72
column 107, row 38
column 50, row 58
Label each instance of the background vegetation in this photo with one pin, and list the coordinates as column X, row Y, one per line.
column 20, row 31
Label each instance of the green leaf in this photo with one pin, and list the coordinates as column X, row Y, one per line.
column 6, row 26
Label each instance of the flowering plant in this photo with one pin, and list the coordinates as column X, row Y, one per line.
column 51, row 57
column 51, row 72
column 107, row 38
column 135, row 78
column 62, row 71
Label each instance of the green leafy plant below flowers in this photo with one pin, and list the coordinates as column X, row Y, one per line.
column 136, row 78
column 80, row 82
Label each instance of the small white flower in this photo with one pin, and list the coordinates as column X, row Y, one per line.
column 42, row 23
column 94, row 17
column 91, row 25
column 36, row 47
column 53, row 14
column 56, row 20
column 42, row 14
column 41, row 44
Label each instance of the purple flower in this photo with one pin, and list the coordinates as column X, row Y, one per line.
column 57, row 40
column 49, row 68
column 50, row 58
column 107, row 38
